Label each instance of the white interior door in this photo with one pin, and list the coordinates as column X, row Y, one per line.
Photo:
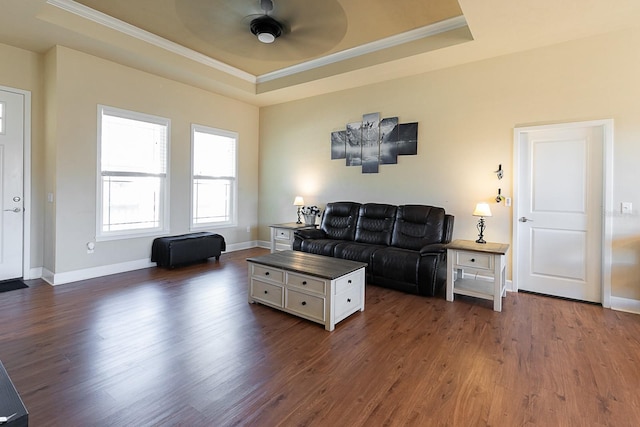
column 559, row 211
column 11, row 184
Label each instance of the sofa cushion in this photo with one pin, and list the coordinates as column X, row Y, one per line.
column 356, row 251
column 319, row 246
column 417, row 226
column 339, row 220
column 375, row 223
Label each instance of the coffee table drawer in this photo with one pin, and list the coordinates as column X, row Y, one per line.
column 268, row 273
column 306, row 282
column 348, row 301
column 305, row 304
column 347, row 281
column 266, row 292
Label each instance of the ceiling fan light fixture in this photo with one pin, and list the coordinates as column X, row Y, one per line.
column 266, row 29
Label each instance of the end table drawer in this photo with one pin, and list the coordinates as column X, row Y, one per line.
column 474, row 260
column 268, row 273
column 266, row 292
column 305, row 304
column 282, row 234
column 306, row 282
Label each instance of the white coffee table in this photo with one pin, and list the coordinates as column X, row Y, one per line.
column 318, row 288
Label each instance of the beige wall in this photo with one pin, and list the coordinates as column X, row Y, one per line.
column 466, row 118
column 21, row 69
column 79, row 83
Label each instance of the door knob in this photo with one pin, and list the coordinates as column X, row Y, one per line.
column 525, row 219
column 16, row 210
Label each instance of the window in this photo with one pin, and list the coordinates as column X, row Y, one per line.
column 213, row 169
column 132, row 168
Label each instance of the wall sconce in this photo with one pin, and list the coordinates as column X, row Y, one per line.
column 482, row 210
column 499, row 173
column 299, row 202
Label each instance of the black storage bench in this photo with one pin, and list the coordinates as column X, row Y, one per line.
column 186, row 248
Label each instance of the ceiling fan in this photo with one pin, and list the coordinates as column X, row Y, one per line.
column 303, row 29
column 266, row 28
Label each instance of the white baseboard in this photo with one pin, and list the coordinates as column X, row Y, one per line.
column 34, row 273
column 91, row 273
column 106, row 270
column 625, row 304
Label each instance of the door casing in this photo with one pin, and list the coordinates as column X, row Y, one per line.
column 607, row 196
column 26, row 236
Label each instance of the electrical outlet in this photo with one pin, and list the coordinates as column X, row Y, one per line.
column 248, row 229
column 507, row 201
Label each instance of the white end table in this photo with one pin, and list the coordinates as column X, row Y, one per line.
column 283, row 233
column 466, row 260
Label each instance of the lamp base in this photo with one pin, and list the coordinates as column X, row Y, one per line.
column 481, row 228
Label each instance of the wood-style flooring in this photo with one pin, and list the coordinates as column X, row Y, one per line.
column 159, row 347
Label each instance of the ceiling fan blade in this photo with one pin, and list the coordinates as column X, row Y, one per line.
column 310, row 29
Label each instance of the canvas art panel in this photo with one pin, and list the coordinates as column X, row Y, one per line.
column 374, row 142
column 338, row 144
column 370, row 142
column 354, row 144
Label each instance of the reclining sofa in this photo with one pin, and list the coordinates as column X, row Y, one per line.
column 403, row 246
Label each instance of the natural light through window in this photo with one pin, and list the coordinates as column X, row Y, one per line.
column 133, row 151
column 213, row 176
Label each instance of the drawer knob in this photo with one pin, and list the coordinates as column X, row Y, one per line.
column 266, row 292
column 304, row 303
column 266, row 274
column 472, row 260
column 349, row 281
column 304, row 282
column 348, row 299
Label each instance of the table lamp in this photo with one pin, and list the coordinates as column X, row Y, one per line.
column 482, row 210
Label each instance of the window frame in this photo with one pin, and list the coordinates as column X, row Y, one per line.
column 233, row 221
column 164, row 208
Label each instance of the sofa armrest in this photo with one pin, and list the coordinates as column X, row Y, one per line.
column 434, row 248
column 310, row 233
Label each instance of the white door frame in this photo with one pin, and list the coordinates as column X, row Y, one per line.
column 607, row 196
column 26, row 228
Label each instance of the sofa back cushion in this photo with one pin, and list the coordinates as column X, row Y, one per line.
column 375, row 223
column 417, row 226
column 339, row 220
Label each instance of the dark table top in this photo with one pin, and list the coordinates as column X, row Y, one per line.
column 311, row 264
column 10, row 402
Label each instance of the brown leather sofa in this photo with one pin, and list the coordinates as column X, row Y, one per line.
column 403, row 246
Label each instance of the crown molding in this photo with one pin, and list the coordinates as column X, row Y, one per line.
column 396, row 40
column 140, row 34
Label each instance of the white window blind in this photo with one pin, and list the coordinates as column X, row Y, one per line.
column 214, row 177
column 133, row 153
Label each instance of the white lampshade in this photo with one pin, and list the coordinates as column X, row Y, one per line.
column 482, row 209
column 299, row 201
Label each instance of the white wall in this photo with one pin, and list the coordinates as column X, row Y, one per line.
column 77, row 83
column 466, row 117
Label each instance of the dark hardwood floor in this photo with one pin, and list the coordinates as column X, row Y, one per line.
column 183, row 347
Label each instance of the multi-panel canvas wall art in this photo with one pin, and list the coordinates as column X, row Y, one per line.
column 374, row 142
